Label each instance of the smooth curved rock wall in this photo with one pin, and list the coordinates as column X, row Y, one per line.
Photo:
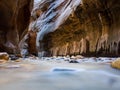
column 90, row 27
column 14, row 21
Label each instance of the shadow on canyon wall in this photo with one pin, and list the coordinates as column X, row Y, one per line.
column 14, row 21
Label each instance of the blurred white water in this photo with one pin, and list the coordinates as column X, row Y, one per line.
column 54, row 75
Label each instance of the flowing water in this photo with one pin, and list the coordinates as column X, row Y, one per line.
column 58, row 75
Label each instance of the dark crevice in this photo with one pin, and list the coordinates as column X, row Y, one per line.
column 119, row 48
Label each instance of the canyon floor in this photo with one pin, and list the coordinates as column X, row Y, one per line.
column 58, row 73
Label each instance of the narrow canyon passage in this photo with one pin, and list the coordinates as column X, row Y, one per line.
column 15, row 18
column 59, row 44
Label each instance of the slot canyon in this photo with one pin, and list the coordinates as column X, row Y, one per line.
column 59, row 44
column 60, row 27
column 14, row 21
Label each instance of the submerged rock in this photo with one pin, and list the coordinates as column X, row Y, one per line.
column 63, row 70
column 116, row 64
column 2, row 61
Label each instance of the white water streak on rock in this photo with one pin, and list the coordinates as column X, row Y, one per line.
column 46, row 23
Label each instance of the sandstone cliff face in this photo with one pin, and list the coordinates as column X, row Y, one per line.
column 70, row 27
column 14, row 21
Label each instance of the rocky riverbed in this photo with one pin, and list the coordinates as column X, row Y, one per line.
column 59, row 73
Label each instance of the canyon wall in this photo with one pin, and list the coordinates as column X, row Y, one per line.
column 14, row 21
column 71, row 27
column 60, row 27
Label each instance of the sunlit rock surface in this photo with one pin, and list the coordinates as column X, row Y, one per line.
column 116, row 64
column 4, row 56
column 68, row 27
column 14, row 21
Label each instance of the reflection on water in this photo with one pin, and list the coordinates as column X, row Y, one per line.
column 58, row 78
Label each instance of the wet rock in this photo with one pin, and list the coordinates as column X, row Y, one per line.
column 54, row 56
column 116, row 64
column 73, row 61
column 73, row 57
column 33, row 57
column 13, row 57
column 4, row 56
column 24, row 52
column 79, row 57
column 68, row 56
column 66, row 59
column 2, row 61
column 18, row 60
column 95, row 59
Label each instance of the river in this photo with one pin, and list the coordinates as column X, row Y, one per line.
column 58, row 75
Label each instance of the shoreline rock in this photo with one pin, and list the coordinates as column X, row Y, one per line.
column 4, row 56
column 116, row 64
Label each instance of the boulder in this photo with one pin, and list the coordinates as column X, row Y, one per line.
column 116, row 64
column 4, row 56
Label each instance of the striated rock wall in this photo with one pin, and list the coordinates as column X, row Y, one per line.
column 70, row 27
column 14, row 21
